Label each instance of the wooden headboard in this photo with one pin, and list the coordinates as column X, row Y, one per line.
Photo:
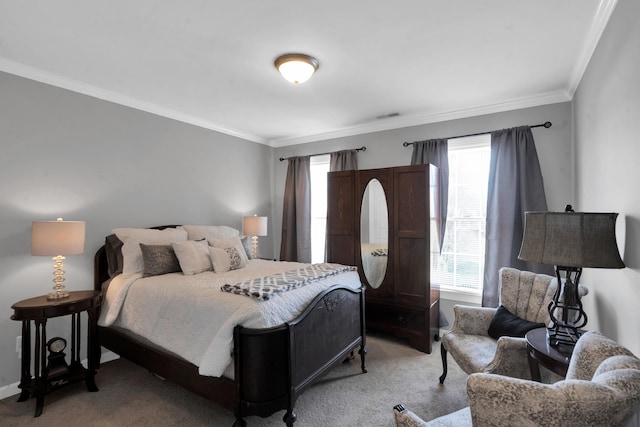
column 101, row 264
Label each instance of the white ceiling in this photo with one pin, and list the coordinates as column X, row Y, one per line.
column 210, row 63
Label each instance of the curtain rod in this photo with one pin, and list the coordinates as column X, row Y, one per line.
column 363, row 148
column 545, row 125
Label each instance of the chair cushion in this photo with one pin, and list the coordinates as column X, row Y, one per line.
column 505, row 323
column 471, row 352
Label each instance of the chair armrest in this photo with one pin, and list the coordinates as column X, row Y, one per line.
column 406, row 418
column 510, row 358
column 472, row 320
column 501, row 401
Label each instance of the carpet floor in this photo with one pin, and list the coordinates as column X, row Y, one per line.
column 131, row 396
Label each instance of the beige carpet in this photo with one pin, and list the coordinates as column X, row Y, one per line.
column 130, row 396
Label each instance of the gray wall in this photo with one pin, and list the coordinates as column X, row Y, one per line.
column 607, row 146
column 384, row 149
column 72, row 156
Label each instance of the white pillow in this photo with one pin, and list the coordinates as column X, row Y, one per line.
column 226, row 259
column 132, row 237
column 233, row 242
column 193, row 256
column 198, row 232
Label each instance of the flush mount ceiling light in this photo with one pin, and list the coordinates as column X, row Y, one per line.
column 296, row 67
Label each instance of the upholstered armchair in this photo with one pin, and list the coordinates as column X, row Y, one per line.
column 602, row 388
column 523, row 294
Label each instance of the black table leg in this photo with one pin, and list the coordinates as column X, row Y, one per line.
column 25, row 372
column 40, row 364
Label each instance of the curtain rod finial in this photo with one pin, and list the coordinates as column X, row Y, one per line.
column 547, row 125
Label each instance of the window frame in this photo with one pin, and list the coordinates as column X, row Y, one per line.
column 459, row 293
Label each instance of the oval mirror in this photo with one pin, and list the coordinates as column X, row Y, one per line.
column 374, row 233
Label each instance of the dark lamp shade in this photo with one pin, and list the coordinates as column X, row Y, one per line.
column 571, row 239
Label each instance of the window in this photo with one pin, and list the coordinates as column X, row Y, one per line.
column 460, row 265
column 319, row 167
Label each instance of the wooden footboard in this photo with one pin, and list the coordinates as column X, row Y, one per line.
column 274, row 366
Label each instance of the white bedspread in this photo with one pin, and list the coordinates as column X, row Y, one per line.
column 192, row 317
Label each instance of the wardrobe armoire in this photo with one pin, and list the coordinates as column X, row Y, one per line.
column 384, row 221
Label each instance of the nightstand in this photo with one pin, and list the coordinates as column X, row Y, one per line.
column 540, row 352
column 51, row 373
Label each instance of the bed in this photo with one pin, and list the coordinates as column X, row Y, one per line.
column 250, row 363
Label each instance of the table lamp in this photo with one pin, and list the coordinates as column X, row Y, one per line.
column 254, row 226
column 570, row 241
column 57, row 238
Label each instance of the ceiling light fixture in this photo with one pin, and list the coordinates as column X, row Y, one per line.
column 296, row 67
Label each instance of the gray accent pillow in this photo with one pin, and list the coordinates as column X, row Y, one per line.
column 158, row 259
column 113, row 251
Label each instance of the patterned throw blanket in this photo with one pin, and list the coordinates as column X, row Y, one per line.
column 264, row 288
column 380, row 252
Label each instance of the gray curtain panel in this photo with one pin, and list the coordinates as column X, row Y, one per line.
column 345, row 160
column 436, row 152
column 296, row 212
column 515, row 186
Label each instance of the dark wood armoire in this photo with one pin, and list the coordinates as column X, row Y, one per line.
column 403, row 301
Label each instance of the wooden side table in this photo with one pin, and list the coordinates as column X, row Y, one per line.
column 39, row 309
column 540, row 352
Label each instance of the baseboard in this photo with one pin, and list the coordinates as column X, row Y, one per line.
column 9, row 390
column 108, row 357
column 13, row 389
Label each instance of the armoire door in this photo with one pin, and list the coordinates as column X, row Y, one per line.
column 411, row 254
column 342, row 232
column 385, row 290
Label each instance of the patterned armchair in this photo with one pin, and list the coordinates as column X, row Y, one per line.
column 524, row 294
column 602, row 388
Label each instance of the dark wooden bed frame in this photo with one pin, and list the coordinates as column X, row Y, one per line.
column 272, row 366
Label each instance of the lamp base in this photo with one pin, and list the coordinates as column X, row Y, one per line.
column 565, row 310
column 254, row 246
column 57, row 295
column 58, row 279
column 558, row 335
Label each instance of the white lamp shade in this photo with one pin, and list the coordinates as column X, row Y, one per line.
column 255, row 225
column 52, row 238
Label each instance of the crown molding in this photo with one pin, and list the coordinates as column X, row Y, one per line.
column 599, row 23
column 53, row 79
column 423, row 119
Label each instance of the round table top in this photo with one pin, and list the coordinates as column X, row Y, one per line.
column 42, row 301
column 42, row 308
column 538, row 340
